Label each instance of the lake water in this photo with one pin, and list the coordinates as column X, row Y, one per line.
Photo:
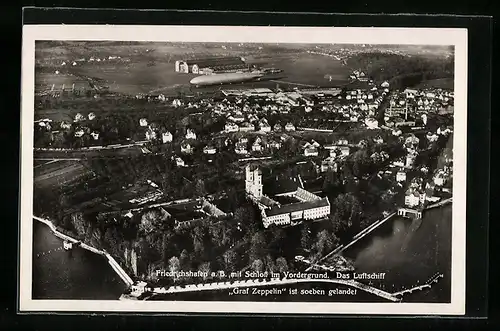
column 409, row 258
column 75, row 274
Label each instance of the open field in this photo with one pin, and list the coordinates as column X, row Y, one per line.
column 149, row 67
column 58, row 173
column 444, row 83
column 45, row 80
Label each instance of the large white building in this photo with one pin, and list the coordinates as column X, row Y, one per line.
column 253, row 181
column 309, row 207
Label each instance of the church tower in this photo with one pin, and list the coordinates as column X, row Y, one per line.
column 253, row 181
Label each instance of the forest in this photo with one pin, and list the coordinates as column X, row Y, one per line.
column 402, row 71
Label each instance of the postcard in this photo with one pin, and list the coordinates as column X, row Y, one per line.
column 217, row 169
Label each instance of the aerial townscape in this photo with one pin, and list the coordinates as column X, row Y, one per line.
column 201, row 160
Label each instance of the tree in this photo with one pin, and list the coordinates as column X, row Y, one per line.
column 281, row 264
column 257, row 245
column 149, row 221
column 347, row 213
column 79, row 223
column 205, row 268
column 325, row 242
column 270, row 265
column 230, row 260
column 216, row 233
column 200, row 190
column 174, row 266
column 184, row 260
column 277, row 235
column 258, row 265
column 306, row 236
column 246, row 216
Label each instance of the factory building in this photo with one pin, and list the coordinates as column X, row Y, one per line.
column 209, row 66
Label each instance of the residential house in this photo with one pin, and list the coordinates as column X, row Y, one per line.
column 231, row 127
column 143, row 122
column 95, row 135
column 398, row 163
column 209, row 150
column 179, row 162
column 238, row 117
column 190, row 134
column 246, row 127
column 397, row 132
column 257, row 145
column 310, row 151
column 79, row 132
column 342, row 142
column 277, row 127
column 371, row 123
column 412, row 140
column 150, row 134
column 65, row 126
column 378, row 140
column 289, row 127
column 186, row 148
column 166, row 137
column 344, row 151
column 410, row 159
column 414, row 198
column 315, row 143
column 241, row 149
column 440, row 178
column 401, row 176
column 432, row 137
column 91, row 116
column 264, row 126
column 275, row 144
column 329, row 163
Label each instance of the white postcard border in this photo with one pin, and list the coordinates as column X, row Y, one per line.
column 312, row 35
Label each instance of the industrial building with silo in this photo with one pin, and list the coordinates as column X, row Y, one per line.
column 208, row 66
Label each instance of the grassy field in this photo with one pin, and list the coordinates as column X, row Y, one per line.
column 45, row 80
column 149, row 67
column 59, row 172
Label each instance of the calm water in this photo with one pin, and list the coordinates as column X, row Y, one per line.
column 409, row 258
column 75, row 274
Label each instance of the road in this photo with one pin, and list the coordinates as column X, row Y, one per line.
column 78, row 154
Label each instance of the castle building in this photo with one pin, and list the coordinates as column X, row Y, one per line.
column 308, row 206
column 253, row 181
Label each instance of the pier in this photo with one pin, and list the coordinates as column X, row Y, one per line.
column 427, row 285
column 112, row 262
column 356, row 238
column 439, row 204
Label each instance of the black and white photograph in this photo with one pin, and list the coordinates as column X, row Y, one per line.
column 243, row 169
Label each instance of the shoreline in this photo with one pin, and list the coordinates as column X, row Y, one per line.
column 111, row 261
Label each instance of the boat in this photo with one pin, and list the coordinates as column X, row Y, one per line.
column 67, row 245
